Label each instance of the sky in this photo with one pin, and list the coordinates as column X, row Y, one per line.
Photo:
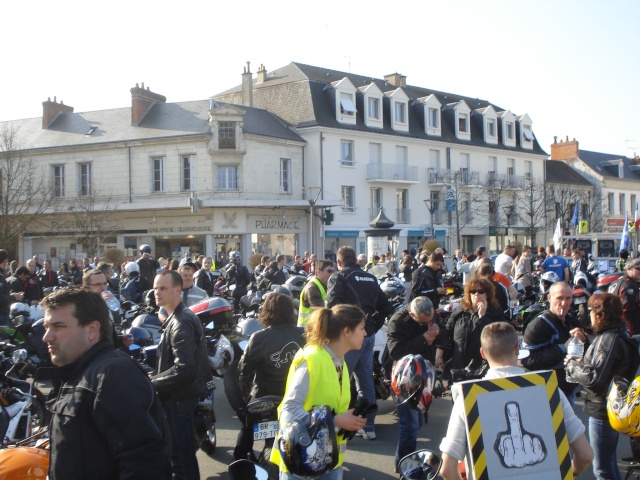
column 572, row 65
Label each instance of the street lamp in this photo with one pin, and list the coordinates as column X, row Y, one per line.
column 508, row 212
column 432, row 205
column 312, row 198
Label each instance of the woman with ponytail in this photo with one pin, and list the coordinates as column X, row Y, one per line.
column 319, row 376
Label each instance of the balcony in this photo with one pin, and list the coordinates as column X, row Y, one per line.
column 389, row 172
column 501, row 180
column 462, row 177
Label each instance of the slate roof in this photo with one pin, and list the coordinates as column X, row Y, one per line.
column 297, row 94
column 164, row 120
column 556, row 171
column 595, row 159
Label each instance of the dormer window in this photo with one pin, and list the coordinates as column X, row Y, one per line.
column 373, row 110
column 227, row 134
column 463, row 123
column 434, row 118
column 400, row 112
column 491, row 127
column 527, row 133
column 509, row 128
column 347, row 105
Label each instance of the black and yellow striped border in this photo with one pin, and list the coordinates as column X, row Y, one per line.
column 470, row 392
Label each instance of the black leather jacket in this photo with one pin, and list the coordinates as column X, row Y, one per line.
column 425, row 283
column 183, row 366
column 405, row 336
column 613, row 352
column 106, row 420
column 353, row 286
column 267, row 358
column 463, row 331
column 545, row 337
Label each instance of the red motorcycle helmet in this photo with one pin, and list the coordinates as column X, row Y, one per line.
column 412, row 381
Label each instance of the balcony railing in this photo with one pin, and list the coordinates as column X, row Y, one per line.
column 501, row 180
column 392, row 172
column 460, row 177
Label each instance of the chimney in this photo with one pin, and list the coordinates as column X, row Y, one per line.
column 51, row 110
column 396, row 80
column 141, row 102
column 567, row 150
column 247, row 86
column 262, row 74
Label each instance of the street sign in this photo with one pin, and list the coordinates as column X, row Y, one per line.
column 427, row 231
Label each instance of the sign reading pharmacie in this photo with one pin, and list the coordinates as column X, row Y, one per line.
column 276, row 224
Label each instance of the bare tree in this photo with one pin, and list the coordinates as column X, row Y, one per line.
column 561, row 201
column 530, row 206
column 25, row 193
column 501, row 192
column 93, row 217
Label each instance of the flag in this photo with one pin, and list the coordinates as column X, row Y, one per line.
column 557, row 237
column 637, row 218
column 576, row 215
column 625, row 240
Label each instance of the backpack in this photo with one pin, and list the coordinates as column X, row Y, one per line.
column 131, row 290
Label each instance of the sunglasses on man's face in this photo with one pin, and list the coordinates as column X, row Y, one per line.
column 479, row 292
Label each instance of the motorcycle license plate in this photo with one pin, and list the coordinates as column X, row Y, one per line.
column 579, row 300
column 264, row 430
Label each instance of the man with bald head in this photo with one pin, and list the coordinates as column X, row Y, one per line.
column 548, row 333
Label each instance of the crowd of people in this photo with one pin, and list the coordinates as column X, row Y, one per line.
column 330, row 343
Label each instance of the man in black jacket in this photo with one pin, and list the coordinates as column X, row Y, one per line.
column 353, row 286
column 183, row 372
column 203, row 277
column 425, row 281
column 106, row 419
column 7, row 297
column 547, row 334
column 412, row 331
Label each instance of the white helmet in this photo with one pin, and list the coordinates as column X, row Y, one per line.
column 546, row 280
column 580, row 278
column 131, row 267
column 19, row 308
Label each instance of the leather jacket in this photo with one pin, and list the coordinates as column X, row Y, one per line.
column 462, row 337
column 183, row 366
column 425, row 283
column 405, row 336
column 267, row 358
column 545, row 338
column 353, row 286
column 107, row 423
column 613, row 352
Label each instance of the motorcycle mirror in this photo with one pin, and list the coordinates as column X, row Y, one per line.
column 420, row 465
column 247, row 470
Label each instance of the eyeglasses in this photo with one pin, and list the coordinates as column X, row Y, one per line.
column 98, row 284
column 479, row 292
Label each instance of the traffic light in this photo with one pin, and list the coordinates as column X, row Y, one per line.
column 328, row 217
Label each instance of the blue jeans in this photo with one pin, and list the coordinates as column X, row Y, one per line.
column 604, row 441
column 335, row 474
column 409, row 422
column 179, row 413
column 360, row 363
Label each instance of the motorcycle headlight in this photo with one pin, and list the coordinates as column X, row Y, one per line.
column 19, row 355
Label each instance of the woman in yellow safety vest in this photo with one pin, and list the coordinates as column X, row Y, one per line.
column 319, row 376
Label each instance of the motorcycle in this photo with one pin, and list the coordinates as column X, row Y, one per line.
column 261, row 415
column 26, row 461
column 22, row 410
column 420, row 465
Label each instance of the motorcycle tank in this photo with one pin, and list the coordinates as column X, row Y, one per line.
column 215, row 309
column 24, row 463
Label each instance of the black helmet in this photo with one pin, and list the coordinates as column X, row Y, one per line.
column 140, row 336
column 150, row 298
column 312, row 451
column 234, row 257
column 145, row 248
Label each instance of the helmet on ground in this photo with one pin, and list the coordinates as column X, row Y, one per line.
column 412, row 381
column 131, row 267
column 623, row 402
column 220, row 352
column 546, row 280
column 145, row 248
column 310, row 451
column 19, row 308
column 234, row 257
column 282, row 290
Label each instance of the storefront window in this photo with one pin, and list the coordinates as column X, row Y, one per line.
column 273, row 244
